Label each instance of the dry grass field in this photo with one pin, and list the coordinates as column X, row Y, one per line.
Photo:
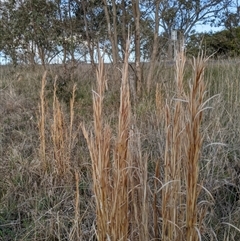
column 82, row 162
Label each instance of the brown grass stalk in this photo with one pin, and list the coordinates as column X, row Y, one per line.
column 110, row 178
column 181, row 216
column 72, row 101
column 62, row 134
column 41, row 123
column 138, row 200
column 192, row 147
column 156, row 209
column 159, row 102
column 76, row 231
column 120, row 165
column 99, row 147
column 59, row 137
column 172, row 203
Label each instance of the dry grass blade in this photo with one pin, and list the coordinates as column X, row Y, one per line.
column 120, row 165
column 138, row 187
column 181, row 167
column 192, row 147
column 110, row 180
column 99, row 147
column 60, row 137
column 41, row 123
column 172, row 203
column 72, row 100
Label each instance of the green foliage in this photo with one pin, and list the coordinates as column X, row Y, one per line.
column 222, row 44
column 184, row 14
column 94, row 13
column 35, row 31
column 28, row 26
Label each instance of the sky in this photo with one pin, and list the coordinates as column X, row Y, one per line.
column 207, row 28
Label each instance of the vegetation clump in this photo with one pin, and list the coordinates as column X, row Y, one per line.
column 164, row 167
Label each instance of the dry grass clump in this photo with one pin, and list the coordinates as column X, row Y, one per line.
column 110, row 176
column 144, row 172
column 119, row 170
column 40, row 199
column 182, row 215
column 126, row 173
column 62, row 136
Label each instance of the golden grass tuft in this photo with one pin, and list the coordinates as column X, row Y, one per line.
column 182, row 217
column 172, row 189
column 193, row 143
column 119, row 171
column 138, row 189
column 110, row 176
column 62, row 135
column 99, row 148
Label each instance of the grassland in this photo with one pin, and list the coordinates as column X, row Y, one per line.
column 80, row 161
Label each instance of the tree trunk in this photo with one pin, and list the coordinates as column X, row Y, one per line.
column 124, row 31
column 64, row 53
column 31, row 52
column 136, row 13
column 72, row 47
column 112, row 33
column 89, row 44
column 115, row 32
column 155, row 48
column 42, row 55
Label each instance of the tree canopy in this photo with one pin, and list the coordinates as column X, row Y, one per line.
column 222, row 44
column 35, row 31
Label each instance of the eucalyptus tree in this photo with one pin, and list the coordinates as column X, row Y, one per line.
column 153, row 51
column 223, row 44
column 183, row 15
column 91, row 24
column 40, row 28
column 28, row 30
column 9, row 42
column 65, row 26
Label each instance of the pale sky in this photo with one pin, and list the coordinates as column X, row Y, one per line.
column 207, row 28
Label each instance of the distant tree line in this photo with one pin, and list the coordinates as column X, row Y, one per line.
column 37, row 31
column 222, row 44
